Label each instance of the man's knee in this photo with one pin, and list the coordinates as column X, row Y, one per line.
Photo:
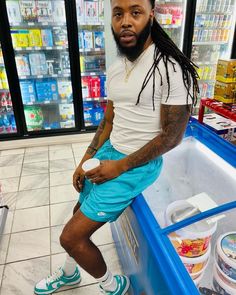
column 72, row 241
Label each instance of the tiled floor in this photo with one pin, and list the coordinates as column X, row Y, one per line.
column 37, row 187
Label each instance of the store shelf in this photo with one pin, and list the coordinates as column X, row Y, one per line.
column 47, row 102
column 200, row 63
column 92, row 24
column 36, row 24
column 92, row 50
column 2, row 65
column 95, row 99
column 99, row 73
column 213, row 12
column 171, row 26
column 210, row 43
column 44, row 76
column 6, row 113
column 41, row 48
column 4, row 90
column 206, row 80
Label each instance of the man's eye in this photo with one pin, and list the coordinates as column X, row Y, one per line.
column 135, row 13
column 117, row 14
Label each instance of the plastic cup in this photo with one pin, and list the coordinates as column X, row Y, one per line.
column 90, row 164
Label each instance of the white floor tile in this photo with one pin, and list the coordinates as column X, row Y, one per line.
column 61, row 213
column 1, row 273
column 60, row 154
column 11, row 160
column 60, row 147
column 9, row 199
column 29, row 219
column 60, row 178
column 35, row 168
column 32, row 198
column 61, row 165
column 103, row 235
column 12, row 152
column 63, row 193
column 9, row 171
column 31, row 244
column 79, row 151
column 36, row 149
column 36, row 157
column 20, row 277
column 8, row 224
column 34, row 182
column 4, row 242
column 10, row 185
column 84, row 290
column 78, row 160
column 55, row 243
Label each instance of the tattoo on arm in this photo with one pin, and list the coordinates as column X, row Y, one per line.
column 174, row 120
column 92, row 149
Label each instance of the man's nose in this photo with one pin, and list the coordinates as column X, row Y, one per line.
column 126, row 21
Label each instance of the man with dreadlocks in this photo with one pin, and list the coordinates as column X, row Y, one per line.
column 151, row 89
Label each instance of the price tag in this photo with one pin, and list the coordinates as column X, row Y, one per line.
column 40, row 76
column 31, row 24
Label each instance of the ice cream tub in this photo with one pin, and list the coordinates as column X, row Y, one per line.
column 225, row 255
column 193, row 240
column 221, row 284
column 198, row 279
column 196, row 265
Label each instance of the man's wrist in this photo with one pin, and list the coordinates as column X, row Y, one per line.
column 123, row 165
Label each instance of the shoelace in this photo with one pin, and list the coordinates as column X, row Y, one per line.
column 55, row 276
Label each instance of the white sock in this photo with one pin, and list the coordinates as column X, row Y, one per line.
column 69, row 265
column 108, row 282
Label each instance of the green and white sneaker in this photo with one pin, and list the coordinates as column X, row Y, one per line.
column 122, row 286
column 56, row 281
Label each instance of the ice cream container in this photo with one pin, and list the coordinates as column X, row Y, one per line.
column 193, row 240
column 225, row 255
column 90, row 164
column 221, row 284
column 196, row 265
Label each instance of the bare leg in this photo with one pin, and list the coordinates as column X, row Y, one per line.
column 75, row 239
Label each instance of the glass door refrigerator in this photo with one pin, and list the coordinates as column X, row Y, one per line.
column 7, row 117
column 171, row 16
column 90, row 19
column 40, row 41
column 213, row 38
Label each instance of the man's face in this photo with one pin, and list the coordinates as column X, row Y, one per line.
column 131, row 25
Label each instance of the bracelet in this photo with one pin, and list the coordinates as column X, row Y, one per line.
column 91, row 147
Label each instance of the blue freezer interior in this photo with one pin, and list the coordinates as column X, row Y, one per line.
column 203, row 162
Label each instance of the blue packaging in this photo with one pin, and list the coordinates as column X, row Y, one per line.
column 46, row 90
column 103, row 89
column 97, row 114
column 38, row 64
column 28, row 92
column 81, row 40
column 88, row 110
column 47, row 38
column 98, row 39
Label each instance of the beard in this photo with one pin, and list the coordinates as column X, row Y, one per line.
column 133, row 52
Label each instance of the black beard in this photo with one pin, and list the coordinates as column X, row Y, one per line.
column 133, row 52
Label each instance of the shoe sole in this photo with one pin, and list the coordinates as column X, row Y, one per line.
column 50, row 292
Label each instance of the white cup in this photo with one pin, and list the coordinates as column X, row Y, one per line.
column 90, row 164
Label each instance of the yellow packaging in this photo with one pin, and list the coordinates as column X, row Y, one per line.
column 226, row 70
column 1, row 86
column 35, row 39
column 3, row 78
column 225, row 92
column 82, row 68
column 20, row 38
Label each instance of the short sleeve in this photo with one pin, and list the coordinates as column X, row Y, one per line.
column 178, row 92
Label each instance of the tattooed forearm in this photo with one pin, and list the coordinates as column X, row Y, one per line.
column 173, row 120
column 92, row 149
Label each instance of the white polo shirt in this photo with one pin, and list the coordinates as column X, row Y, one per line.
column 135, row 125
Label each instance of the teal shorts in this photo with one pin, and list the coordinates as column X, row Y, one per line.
column 105, row 202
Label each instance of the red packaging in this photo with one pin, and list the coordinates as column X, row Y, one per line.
column 95, row 87
column 86, row 89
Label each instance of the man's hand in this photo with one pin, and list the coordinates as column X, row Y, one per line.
column 78, row 178
column 107, row 170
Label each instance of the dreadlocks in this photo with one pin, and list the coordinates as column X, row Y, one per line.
column 165, row 49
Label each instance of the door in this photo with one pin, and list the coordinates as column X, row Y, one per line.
column 40, row 40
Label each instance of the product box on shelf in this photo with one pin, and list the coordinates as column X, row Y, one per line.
column 28, row 91
column 13, row 11
column 35, row 38
column 66, row 111
column 88, row 39
column 20, row 38
column 59, row 11
column 226, row 71
column 46, row 90
column 225, row 92
column 80, row 10
column 65, row 62
column 86, row 91
column 91, row 11
column 103, row 86
column 22, row 64
column 99, row 40
column 65, row 90
column 28, row 10
column 47, row 39
column 38, row 63
column 81, row 40
column 222, row 126
column 3, row 79
column 60, row 36
column 101, row 10
column 44, row 10
column 95, row 87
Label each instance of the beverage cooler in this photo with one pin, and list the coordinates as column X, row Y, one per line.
column 7, row 117
column 179, row 236
column 213, row 38
column 171, row 15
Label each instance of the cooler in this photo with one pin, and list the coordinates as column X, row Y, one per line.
column 202, row 163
